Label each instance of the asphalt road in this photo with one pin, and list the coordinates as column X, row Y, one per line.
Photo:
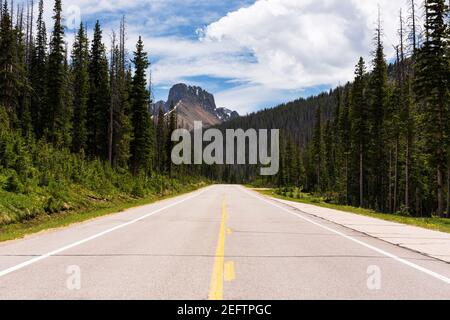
column 221, row 242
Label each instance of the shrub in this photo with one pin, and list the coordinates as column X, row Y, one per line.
column 138, row 190
column 38, row 178
column 54, row 205
column 13, row 183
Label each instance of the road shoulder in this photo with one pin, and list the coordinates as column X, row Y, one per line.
column 428, row 242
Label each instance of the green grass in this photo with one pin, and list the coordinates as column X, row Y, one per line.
column 42, row 222
column 434, row 223
column 44, row 187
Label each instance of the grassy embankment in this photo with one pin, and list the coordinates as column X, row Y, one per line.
column 433, row 223
column 43, row 187
column 85, row 207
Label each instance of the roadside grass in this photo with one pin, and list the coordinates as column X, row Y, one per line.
column 93, row 209
column 434, row 223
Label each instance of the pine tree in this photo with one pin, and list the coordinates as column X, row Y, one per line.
column 282, row 172
column 56, row 115
column 401, row 109
column 393, row 129
column 289, row 162
column 412, row 24
column 80, row 74
column 359, row 126
column 114, row 104
column 172, row 126
column 68, row 100
column 432, row 87
column 120, row 79
column 122, row 123
column 330, row 164
column 448, row 107
column 344, row 139
column 300, row 170
column 161, row 141
column 38, row 68
column 99, row 98
column 143, row 130
column 318, row 148
column 9, row 65
column 29, row 41
column 23, row 111
column 336, row 156
column 379, row 96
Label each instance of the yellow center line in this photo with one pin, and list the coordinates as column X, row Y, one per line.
column 230, row 275
column 216, row 288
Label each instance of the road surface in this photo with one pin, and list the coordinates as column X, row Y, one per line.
column 221, row 242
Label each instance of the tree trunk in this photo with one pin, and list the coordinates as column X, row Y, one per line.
column 112, row 100
column 418, row 209
column 396, row 176
column 111, row 132
column 407, row 175
column 361, row 180
column 448, row 191
column 318, row 176
column 440, row 193
column 413, row 18
column 390, row 181
column 346, row 179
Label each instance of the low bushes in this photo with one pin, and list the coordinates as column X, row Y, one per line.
column 37, row 179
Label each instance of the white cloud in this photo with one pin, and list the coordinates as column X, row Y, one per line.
column 244, row 98
column 269, row 48
column 295, row 44
column 301, row 43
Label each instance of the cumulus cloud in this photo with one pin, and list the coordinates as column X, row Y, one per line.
column 283, row 45
column 266, row 48
column 301, row 43
column 246, row 97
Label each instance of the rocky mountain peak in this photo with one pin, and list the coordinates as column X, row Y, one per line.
column 194, row 104
column 191, row 94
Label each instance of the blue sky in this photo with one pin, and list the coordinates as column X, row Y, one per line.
column 250, row 54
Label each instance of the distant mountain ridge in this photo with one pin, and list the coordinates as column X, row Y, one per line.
column 295, row 119
column 192, row 103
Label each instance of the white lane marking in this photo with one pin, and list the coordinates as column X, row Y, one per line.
column 387, row 254
column 95, row 236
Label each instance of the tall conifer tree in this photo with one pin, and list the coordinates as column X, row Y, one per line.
column 432, row 86
column 99, row 98
column 143, row 131
column 80, row 76
column 360, row 128
column 161, row 140
column 9, row 64
column 379, row 96
column 172, row 126
column 56, row 116
column 37, row 69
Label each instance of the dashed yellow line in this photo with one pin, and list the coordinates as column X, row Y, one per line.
column 216, row 288
column 222, row 271
column 230, row 275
